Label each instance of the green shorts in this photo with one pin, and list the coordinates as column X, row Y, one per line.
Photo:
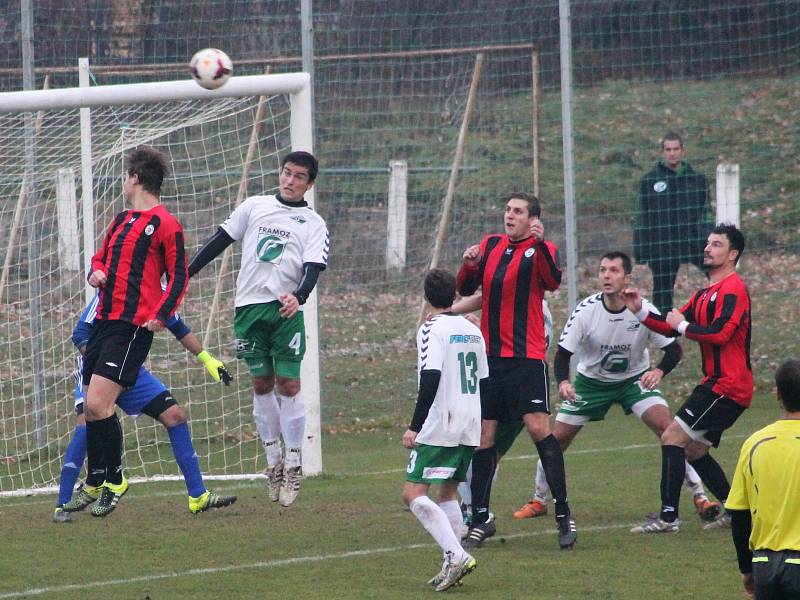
column 268, row 342
column 593, row 399
column 507, row 432
column 436, row 464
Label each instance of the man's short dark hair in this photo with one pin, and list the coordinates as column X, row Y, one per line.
column 534, row 206
column 787, row 378
column 627, row 264
column 671, row 136
column 303, row 159
column 735, row 237
column 440, row 288
column 150, row 165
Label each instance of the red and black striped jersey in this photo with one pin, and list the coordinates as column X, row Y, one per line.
column 140, row 247
column 514, row 277
column 719, row 320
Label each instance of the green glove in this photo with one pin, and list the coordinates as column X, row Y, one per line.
column 215, row 367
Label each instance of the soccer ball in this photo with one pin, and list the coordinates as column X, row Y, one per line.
column 211, row 68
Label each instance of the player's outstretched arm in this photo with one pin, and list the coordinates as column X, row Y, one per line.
column 468, row 304
column 468, row 278
column 214, row 366
column 566, row 390
column 215, row 246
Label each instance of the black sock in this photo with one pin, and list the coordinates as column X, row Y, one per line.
column 95, row 459
column 484, row 462
column 553, row 463
column 112, row 447
column 673, row 470
column 713, row 476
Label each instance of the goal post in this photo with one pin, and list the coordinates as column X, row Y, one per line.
column 206, row 135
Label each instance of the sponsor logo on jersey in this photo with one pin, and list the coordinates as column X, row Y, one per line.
column 269, row 248
column 617, row 347
column 659, row 186
column 614, row 361
column 438, row 472
column 465, row 339
column 274, row 231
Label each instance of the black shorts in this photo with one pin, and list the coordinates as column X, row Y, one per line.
column 515, row 387
column 776, row 574
column 116, row 350
column 709, row 412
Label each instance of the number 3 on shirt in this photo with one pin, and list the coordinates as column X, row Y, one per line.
column 469, row 378
column 294, row 344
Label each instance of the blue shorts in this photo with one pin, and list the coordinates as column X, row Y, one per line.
column 133, row 400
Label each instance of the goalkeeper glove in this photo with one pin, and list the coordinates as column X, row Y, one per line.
column 215, row 367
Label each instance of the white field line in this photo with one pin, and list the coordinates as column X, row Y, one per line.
column 252, row 480
column 268, row 564
column 536, row 456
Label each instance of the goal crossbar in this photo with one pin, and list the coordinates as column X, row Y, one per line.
column 144, row 93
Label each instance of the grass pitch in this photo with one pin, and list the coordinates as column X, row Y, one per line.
column 349, row 536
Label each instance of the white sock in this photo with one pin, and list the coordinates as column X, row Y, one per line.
column 464, row 489
column 293, row 458
column 540, row 487
column 267, row 417
column 293, row 427
column 436, row 523
column 693, row 482
column 452, row 511
column 293, row 420
column 273, row 450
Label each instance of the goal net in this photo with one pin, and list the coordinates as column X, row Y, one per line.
column 61, row 185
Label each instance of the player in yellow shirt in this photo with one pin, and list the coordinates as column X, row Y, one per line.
column 763, row 502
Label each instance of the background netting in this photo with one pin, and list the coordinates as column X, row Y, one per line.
column 391, row 81
column 207, row 144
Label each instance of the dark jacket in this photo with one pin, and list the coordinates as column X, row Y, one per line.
column 672, row 214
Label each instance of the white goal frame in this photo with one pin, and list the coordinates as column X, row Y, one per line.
column 296, row 85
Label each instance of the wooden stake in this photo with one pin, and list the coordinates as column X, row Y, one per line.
column 454, row 168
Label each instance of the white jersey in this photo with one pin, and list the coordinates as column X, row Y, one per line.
column 611, row 346
column 278, row 240
column 455, row 347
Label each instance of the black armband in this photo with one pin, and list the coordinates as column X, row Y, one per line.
column 215, row 246
column 428, row 384
column 561, row 364
column 672, row 356
column 311, row 273
column 741, row 526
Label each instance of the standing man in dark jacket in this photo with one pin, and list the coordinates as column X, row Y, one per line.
column 671, row 221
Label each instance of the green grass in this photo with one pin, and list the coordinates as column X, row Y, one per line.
column 349, row 536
